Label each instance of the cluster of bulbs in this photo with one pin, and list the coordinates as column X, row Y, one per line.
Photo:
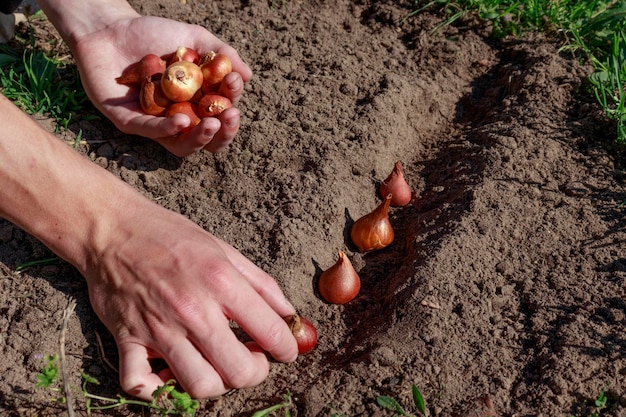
column 340, row 283
column 188, row 83
column 182, row 82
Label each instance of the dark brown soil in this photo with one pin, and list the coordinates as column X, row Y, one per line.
column 506, row 277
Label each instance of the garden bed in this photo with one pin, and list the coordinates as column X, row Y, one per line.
column 505, row 281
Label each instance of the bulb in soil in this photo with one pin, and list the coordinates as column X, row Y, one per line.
column 373, row 231
column 396, row 185
column 340, row 283
column 304, row 332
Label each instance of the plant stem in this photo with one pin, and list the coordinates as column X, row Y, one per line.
column 66, row 383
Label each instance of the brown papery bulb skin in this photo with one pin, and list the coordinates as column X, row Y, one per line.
column 340, row 283
column 150, row 65
column 181, row 81
column 215, row 67
column 185, row 54
column 212, row 105
column 396, row 185
column 373, row 231
column 187, row 108
column 151, row 98
column 304, row 332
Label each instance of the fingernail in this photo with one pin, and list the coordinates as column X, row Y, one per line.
column 289, row 305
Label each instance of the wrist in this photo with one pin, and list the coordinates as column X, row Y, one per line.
column 75, row 19
column 60, row 197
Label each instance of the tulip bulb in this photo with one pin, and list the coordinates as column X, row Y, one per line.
column 340, row 283
column 373, row 231
column 187, row 108
column 151, row 98
column 185, row 54
column 215, row 67
column 304, row 333
column 181, row 81
column 149, row 66
column 396, row 185
column 212, row 105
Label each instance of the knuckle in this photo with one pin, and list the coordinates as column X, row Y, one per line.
column 275, row 336
column 221, row 279
column 246, row 375
column 205, row 388
column 133, row 385
column 187, row 308
column 267, row 284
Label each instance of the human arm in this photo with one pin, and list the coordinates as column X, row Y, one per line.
column 163, row 286
column 107, row 36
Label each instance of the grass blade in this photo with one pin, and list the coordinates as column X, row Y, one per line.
column 418, row 399
column 390, row 404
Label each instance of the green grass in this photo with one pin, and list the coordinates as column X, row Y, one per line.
column 40, row 82
column 594, row 30
column 41, row 262
column 385, row 402
column 391, row 404
column 600, row 403
column 286, row 404
column 608, row 84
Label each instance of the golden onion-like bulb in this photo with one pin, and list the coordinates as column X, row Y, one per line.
column 340, row 283
column 373, row 231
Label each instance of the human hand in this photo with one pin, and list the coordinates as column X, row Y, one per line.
column 104, row 54
column 163, row 286
column 169, row 290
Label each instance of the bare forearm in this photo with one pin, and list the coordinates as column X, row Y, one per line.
column 76, row 18
column 52, row 192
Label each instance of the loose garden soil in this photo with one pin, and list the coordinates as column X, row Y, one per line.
column 503, row 292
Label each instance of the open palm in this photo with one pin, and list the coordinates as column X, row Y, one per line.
column 103, row 55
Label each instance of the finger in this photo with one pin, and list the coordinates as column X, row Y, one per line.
column 238, row 65
column 238, row 365
column 232, row 87
column 192, row 140
column 154, row 127
column 136, row 375
column 262, row 282
column 193, row 371
column 258, row 319
column 229, row 122
column 166, row 374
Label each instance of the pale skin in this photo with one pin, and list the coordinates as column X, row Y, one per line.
column 163, row 286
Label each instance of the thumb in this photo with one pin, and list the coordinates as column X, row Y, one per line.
column 136, row 375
